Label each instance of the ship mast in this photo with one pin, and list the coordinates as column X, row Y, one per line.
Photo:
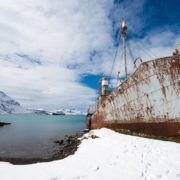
column 123, row 35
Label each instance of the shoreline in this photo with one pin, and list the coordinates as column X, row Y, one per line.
column 106, row 154
column 67, row 146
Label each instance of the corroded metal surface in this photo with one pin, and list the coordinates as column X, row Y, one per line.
column 149, row 100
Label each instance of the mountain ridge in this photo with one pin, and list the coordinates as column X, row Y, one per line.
column 9, row 106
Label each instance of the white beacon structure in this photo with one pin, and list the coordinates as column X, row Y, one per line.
column 104, row 86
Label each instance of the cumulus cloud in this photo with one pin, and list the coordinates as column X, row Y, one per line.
column 46, row 46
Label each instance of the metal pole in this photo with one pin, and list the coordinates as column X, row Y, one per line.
column 124, row 55
column 123, row 35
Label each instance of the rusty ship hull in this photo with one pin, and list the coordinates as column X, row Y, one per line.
column 146, row 102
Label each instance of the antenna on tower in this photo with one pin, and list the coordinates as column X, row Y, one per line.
column 123, row 35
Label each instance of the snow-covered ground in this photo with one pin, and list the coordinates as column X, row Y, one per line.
column 113, row 156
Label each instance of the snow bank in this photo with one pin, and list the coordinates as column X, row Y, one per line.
column 112, row 156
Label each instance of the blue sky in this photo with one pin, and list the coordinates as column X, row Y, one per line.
column 52, row 53
column 161, row 14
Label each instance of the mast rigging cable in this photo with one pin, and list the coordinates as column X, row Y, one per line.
column 115, row 56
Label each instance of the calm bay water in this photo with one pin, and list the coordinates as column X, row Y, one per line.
column 32, row 136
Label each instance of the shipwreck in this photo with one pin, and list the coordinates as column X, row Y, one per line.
column 147, row 101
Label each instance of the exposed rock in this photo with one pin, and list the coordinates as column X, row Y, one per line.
column 94, row 136
column 4, row 123
column 66, row 147
column 60, row 142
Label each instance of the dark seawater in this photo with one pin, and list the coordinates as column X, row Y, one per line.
column 32, row 136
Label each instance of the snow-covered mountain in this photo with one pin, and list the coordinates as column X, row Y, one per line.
column 68, row 111
column 72, row 112
column 39, row 111
column 9, row 105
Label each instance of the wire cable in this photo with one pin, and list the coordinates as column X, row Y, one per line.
column 130, row 52
column 147, row 53
column 115, row 56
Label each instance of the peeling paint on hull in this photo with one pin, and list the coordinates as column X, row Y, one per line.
column 147, row 102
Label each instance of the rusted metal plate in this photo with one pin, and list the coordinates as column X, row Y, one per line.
column 156, row 128
column 149, row 98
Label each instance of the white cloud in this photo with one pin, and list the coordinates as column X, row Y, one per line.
column 41, row 39
column 46, row 45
